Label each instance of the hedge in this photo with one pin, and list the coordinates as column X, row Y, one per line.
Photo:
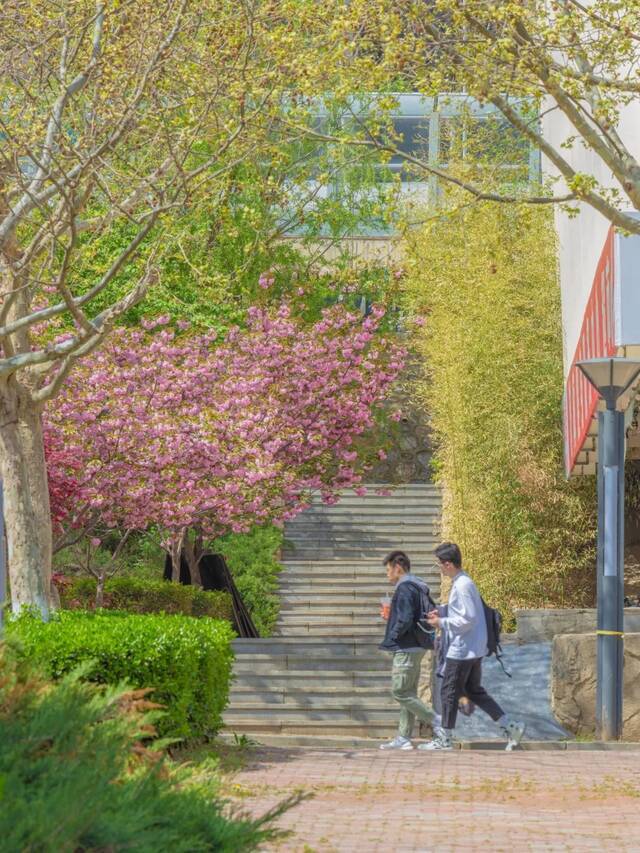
column 136, row 595
column 186, row 661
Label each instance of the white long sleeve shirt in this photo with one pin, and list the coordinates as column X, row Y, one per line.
column 465, row 623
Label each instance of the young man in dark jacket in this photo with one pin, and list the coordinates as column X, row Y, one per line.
column 402, row 641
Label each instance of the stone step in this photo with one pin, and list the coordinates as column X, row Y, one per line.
column 369, row 572
column 367, row 544
column 335, row 742
column 418, row 485
column 317, row 584
column 392, row 503
column 375, row 555
column 313, row 608
column 275, row 662
column 325, row 616
column 279, row 700
column 344, row 577
column 324, row 728
column 326, row 680
column 427, row 521
column 328, row 617
column 348, row 561
column 286, row 714
column 361, row 570
column 410, row 490
column 251, row 645
column 337, row 713
column 427, row 516
column 303, row 600
column 378, row 521
column 349, row 647
column 372, row 499
column 422, row 541
column 292, row 694
column 392, row 506
column 314, row 629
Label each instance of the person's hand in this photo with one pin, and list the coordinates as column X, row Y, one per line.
column 433, row 619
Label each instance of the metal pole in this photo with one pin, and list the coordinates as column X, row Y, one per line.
column 610, row 604
column 3, row 562
column 600, row 574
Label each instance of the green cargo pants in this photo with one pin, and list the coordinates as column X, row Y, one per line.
column 405, row 676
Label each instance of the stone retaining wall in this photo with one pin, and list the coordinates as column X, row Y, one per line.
column 541, row 626
column 573, row 684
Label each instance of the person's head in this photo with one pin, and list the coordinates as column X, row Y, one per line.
column 397, row 564
column 450, row 559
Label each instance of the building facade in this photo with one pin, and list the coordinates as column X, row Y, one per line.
column 599, row 270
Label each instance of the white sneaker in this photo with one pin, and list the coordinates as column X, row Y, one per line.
column 398, row 742
column 440, row 743
column 513, row 732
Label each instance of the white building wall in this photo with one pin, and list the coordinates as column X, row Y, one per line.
column 582, row 237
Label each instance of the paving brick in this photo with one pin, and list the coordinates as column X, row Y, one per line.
column 459, row 801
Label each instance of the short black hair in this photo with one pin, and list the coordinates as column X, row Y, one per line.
column 449, row 552
column 398, row 558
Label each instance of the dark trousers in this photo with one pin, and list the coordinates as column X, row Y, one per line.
column 464, row 678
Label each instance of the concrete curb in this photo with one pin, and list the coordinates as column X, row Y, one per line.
column 348, row 744
column 553, row 746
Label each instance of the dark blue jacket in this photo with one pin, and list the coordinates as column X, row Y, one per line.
column 400, row 635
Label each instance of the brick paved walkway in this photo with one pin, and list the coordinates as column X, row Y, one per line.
column 370, row 801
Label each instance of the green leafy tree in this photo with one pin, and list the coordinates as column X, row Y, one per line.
column 574, row 64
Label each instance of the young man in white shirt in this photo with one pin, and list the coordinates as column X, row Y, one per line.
column 465, row 628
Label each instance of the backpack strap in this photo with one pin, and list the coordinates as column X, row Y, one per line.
column 499, row 656
column 429, row 631
column 418, row 589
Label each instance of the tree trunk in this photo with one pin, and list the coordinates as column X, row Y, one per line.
column 193, row 554
column 26, row 501
column 175, row 551
column 100, row 589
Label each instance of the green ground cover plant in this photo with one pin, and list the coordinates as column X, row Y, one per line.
column 185, row 661
column 79, row 772
column 483, row 280
column 140, row 595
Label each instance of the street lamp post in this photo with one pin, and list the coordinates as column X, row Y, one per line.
column 611, row 377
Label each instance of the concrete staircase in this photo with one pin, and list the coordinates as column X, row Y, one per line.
column 322, row 680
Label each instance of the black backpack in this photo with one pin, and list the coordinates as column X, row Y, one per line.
column 494, row 627
column 425, row 634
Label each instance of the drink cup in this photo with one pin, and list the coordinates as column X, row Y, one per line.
column 385, row 607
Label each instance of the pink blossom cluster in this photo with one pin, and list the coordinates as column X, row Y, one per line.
column 174, row 431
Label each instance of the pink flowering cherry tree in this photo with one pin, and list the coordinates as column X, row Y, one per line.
column 168, row 430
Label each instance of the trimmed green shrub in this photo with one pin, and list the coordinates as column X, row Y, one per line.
column 74, row 776
column 136, row 595
column 186, row 661
column 253, row 561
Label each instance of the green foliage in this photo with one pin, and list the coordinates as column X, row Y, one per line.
column 215, row 249
column 187, row 662
column 253, row 561
column 484, row 277
column 73, row 776
column 138, row 595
